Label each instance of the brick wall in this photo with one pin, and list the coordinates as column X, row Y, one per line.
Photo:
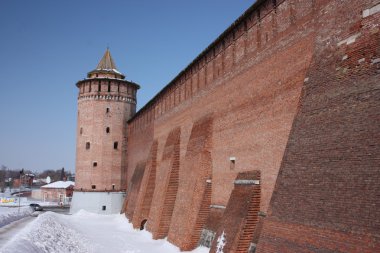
column 249, row 82
column 104, row 106
column 241, row 215
column 327, row 194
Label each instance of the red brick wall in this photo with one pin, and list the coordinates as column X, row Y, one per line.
column 250, row 81
column 166, row 187
column 326, row 197
column 144, row 201
column 133, row 190
column 93, row 120
column 241, row 215
column 195, row 170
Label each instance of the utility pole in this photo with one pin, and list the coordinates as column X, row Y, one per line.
column 19, row 190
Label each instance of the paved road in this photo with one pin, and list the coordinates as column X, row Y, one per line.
column 8, row 231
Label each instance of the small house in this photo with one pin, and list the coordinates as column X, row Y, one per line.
column 60, row 191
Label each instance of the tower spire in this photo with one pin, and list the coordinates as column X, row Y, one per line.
column 106, row 67
column 107, row 63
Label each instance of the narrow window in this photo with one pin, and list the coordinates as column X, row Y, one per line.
column 107, row 110
column 107, row 130
column 109, row 86
column 232, row 163
column 81, row 130
column 93, row 187
column 118, row 87
column 104, row 208
column 113, row 186
column 94, row 164
column 115, row 144
column 99, row 86
column 87, row 145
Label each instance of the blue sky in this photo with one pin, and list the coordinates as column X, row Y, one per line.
column 47, row 46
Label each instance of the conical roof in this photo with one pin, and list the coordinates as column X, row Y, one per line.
column 107, row 66
column 106, row 63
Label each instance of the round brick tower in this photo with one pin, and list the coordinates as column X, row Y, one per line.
column 105, row 103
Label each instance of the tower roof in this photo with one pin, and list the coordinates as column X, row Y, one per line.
column 107, row 65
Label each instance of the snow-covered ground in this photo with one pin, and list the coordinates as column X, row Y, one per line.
column 10, row 214
column 86, row 232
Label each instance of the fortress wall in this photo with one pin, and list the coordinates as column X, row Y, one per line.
column 248, row 84
column 326, row 197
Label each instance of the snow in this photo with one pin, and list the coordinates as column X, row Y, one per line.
column 86, row 232
column 10, row 214
column 221, row 243
column 59, row 184
column 111, row 70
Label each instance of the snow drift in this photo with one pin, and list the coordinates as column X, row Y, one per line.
column 86, row 232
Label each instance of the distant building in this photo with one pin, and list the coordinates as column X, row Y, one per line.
column 58, row 191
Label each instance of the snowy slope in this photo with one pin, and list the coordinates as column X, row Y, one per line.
column 10, row 214
column 86, row 233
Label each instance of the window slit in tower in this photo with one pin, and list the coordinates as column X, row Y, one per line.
column 109, row 86
column 115, row 145
column 118, row 87
column 87, row 145
column 107, row 130
column 99, row 86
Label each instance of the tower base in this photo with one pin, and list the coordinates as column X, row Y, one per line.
column 97, row 202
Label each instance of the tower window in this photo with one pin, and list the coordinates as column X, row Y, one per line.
column 94, row 164
column 232, row 163
column 107, row 110
column 109, row 86
column 113, row 186
column 99, row 86
column 103, row 208
column 107, row 130
column 87, row 145
column 81, row 130
column 115, row 144
column 93, row 187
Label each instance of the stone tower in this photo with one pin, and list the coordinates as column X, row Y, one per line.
column 105, row 103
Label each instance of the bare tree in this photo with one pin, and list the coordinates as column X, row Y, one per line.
column 3, row 172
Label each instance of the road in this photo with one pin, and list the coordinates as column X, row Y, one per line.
column 8, row 231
